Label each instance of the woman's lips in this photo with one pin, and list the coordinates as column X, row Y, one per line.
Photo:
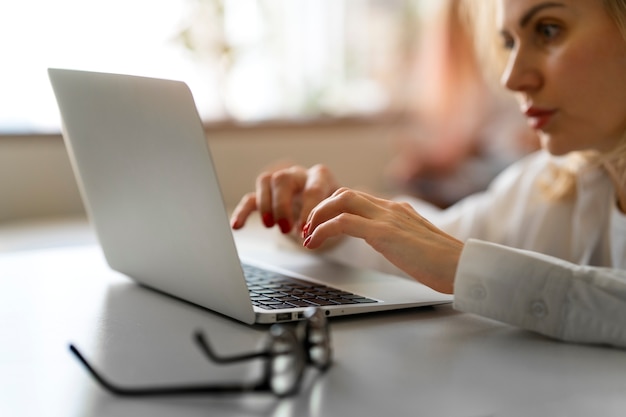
column 538, row 117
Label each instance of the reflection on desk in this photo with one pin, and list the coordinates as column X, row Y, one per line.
column 430, row 361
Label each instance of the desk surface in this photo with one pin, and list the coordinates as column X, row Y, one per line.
column 429, row 361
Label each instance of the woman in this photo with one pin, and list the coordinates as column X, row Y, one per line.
column 544, row 248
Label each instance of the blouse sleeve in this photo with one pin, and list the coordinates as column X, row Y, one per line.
column 547, row 295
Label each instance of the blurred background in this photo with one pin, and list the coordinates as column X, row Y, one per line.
column 245, row 61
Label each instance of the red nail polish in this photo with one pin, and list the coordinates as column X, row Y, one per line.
column 307, row 241
column 284, row 225
column 268, row 219
column 305, row 230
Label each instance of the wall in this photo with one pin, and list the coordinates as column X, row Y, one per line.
column 36, row 179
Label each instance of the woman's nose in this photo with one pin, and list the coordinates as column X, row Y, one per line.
column 521, row 74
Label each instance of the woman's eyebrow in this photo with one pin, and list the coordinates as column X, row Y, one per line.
column 534, row 10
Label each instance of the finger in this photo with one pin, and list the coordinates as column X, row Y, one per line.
column 344, row 224
column 264, row 198
column 345, row 200
column 320, row 184
column 286, row 185
column 243, row 210
column 349, row 192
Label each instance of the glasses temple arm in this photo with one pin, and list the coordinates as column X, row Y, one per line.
column 154, row 391
column 206, row 348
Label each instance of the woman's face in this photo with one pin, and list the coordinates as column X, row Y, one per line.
column 567, row 67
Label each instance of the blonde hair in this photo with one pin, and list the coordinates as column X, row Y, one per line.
column 561, row 181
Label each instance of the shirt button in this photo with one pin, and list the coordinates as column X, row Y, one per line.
column 477, row 292
column 538, row 309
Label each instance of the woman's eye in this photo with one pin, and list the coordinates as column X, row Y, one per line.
column 547, row 31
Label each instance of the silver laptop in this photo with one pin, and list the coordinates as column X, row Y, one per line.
column 142, row 162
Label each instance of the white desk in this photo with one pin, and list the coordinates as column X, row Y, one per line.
column 432, row 362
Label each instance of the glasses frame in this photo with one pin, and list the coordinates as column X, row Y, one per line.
column 308, row 343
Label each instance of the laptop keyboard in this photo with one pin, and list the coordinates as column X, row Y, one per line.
column 272, row 291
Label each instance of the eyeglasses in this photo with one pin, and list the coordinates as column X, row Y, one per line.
column 287, row 351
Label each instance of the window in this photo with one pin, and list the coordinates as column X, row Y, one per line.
column 243, row 60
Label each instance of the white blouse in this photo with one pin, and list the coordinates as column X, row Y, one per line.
column 557, row 268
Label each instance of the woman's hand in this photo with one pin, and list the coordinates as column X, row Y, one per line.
column 394, row 229
column 286, row 196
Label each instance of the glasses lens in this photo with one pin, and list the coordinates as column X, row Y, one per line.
column 287, row 363
column 317, row 338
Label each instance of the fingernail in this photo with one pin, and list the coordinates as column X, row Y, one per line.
column 306, row 242
column 284, row 225
column 268, row 219
column 305, row 230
